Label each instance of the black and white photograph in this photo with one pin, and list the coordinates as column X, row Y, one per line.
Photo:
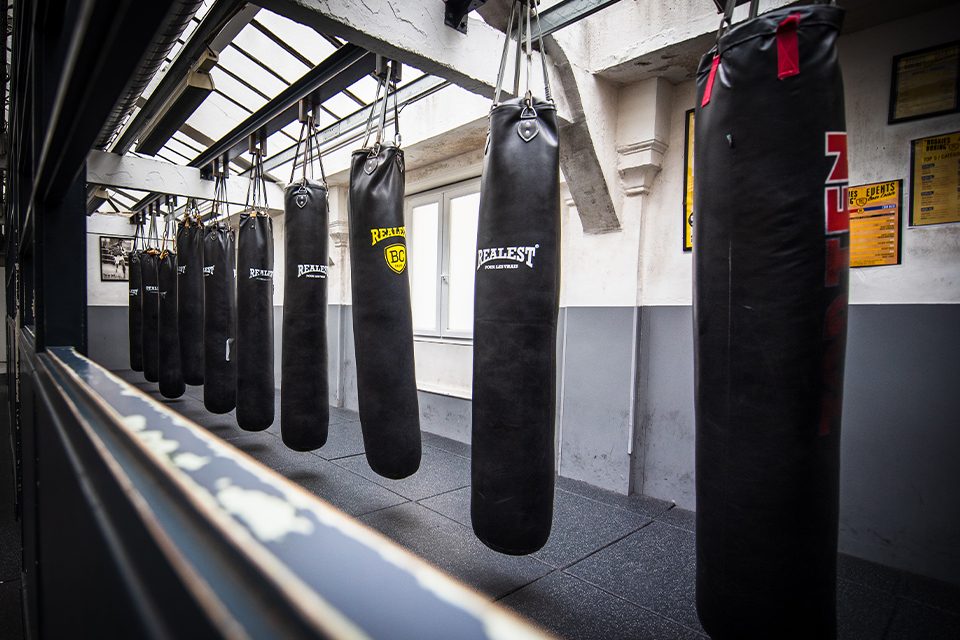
column 115, row 258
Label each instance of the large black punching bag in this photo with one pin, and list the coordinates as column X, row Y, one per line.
column 304, row 395
column 382, row 319
column 171, row 375
column 255, row 385
column 771, row 254
column 219, row 319
column 135, row 311
column 190, row 305
column 149, row 266
column 516, row 301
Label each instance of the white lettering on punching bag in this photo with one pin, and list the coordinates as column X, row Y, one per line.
column 506, row 257
column 312, row 270
column 261, row 274
column 208, row 271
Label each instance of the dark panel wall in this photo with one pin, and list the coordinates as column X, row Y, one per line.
column 901, row 430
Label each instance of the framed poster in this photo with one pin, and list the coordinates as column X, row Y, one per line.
column 925, row 83
column 875, row 223
column 935, row 179
column 688, row 183
column 115, row 258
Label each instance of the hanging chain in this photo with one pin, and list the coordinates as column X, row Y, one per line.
column 170, row 219
column 310, row 140
column 256, row 204
column 522, row 20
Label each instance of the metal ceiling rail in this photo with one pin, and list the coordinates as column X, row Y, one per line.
column 566, row 12
column 416, row 90
column 341, row 69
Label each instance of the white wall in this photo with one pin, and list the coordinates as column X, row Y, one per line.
column 930, row 269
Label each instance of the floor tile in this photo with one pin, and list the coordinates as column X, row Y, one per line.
column 580, row 526
column 339, row 414
column 268, row 449
column 914, row 621
column 343, row 489
column 439, row 472
column 681, row 518
column 573, row 609
column 862, row 613
column 930, row 592
column 461, row 449
column 644, row 505
column 453, row 548
column 343, row 439
column 653, row 568
column 868, row 574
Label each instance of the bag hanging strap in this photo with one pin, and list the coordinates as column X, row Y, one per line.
column 169, row 221
column 137, row 232
column 153, row 239
column 310, row 139
column 256, row 204
column 522, row 20
column 387, row 83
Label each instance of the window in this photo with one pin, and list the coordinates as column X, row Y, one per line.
column 442, row 241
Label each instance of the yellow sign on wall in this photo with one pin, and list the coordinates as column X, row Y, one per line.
column 688, row 184
column 875, row 223
column 935, row 180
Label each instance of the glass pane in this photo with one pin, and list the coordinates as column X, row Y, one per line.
column 464, row 212
column 423, row 260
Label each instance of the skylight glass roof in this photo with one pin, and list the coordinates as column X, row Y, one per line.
column 268, row 55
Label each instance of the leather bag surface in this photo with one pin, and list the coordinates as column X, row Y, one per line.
column 190, row 299
column 219, row 319
column 516, row 301
column 771, row 254
column 255, row 381
column 171, row 374
column 149, row 270
column 382, row 320
column 304, row 393
column 135, row 313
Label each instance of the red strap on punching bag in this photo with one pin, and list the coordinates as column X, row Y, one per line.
column 788, row 51
column 707, row 90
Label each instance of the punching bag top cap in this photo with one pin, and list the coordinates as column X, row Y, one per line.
column 768, row 23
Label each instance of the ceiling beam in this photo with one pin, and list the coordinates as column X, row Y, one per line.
column 338, row 71
column 145, row 174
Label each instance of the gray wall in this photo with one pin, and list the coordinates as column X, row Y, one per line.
column 900, row 473
column 901, row 440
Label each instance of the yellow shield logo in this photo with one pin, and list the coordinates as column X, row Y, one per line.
column 396, row 257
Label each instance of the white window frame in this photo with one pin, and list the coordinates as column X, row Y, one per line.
column 442, row 196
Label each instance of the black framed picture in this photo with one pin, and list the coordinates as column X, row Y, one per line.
column 925, row 83
column 115, row 258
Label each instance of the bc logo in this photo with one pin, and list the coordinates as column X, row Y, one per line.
column 396, row 257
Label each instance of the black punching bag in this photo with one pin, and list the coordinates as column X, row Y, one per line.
column 190, row 305
column 171, row 375
column 771, row 254
column 255, row 387
column 135, row 313
column 304, row 396
column 382, row 320
column 149, row 265
column 219, row 319
column 516, row 301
